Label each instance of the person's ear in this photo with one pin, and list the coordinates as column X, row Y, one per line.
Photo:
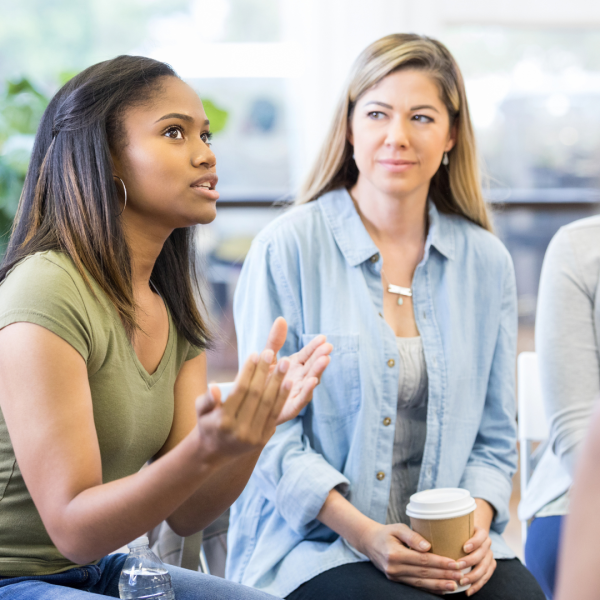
column 452, row 138
column 349, row 134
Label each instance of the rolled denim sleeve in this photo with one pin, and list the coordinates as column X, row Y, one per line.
column 493, row 459
column 291, row 474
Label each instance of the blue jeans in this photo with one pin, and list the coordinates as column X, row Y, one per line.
column 541, row 551
column 101, row 580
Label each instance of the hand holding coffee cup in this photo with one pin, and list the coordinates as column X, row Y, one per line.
column 403, row 556
column 446, row 518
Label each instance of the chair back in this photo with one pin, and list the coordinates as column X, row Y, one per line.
column 532, row 425
column 226, row 389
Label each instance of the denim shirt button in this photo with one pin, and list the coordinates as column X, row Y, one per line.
column 380, row 475
column 391, row 363
column 374, row 258
column 387, row 421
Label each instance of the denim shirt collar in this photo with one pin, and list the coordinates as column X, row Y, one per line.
column 355, row 242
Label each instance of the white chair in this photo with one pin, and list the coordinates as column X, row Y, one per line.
column 226, row 389
column 533, row 426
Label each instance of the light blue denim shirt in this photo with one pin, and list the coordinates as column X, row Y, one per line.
column 317, row 266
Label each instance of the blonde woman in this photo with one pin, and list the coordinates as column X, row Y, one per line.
column 390, row 253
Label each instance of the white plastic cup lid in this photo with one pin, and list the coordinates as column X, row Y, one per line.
column 141, row 541
column 442, row 503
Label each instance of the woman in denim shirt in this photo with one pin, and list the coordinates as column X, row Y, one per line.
column 420, row 390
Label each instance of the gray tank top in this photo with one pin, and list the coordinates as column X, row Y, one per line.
column 411, row 427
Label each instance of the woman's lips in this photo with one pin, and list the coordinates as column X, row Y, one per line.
column 205, row 186
column 205, row 192
column 396, row 166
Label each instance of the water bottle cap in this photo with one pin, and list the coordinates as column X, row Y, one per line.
column 141, row 541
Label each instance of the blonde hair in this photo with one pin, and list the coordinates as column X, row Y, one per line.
column 454, row 189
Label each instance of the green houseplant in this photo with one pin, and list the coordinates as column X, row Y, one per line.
column 21, row 108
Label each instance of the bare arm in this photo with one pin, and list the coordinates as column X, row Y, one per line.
column 46, row 402
column 225, row 483
column 578, row 573
column 222, row 487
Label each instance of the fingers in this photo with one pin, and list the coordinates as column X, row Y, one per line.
column 263, row 420
column 283, row 394
column 249, row 406
column 277, row 335
column 299, row 401
column 402, row 571
column 476, row 541
column 208, row 401
column 411, row 538
column 242, row 384
column 476, row 556
column 438, row 586
column 304, row 354
column 479, row 576
column 316, row 367
column 324, row 349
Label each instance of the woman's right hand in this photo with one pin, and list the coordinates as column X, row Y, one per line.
column 403, row 556
column 246, row 421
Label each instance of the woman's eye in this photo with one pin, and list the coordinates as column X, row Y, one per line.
column 206, row 137
column 375, row 114
column 423, row 119
column 174, row 133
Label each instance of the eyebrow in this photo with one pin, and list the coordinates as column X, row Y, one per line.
column 420, row 107
column 182, row 117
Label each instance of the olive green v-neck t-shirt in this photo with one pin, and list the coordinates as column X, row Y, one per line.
column 133, row 410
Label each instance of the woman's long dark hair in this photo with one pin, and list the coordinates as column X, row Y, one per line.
column 70, row 201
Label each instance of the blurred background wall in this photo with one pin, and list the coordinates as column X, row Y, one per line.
column 270, row 72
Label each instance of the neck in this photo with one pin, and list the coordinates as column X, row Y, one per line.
column 391, row 219
column 145, row 244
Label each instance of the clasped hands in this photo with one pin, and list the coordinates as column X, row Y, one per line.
column 403, row 556
column 267, row 393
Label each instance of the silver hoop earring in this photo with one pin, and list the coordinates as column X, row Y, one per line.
column 445, row 160
column 124, row 191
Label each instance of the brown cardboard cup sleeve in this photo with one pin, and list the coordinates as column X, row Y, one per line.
column 446, row 536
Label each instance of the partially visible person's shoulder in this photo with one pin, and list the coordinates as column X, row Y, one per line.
column 41, row 280
column 582, row 234
column 46, row 270
column 46, row 289
column 577, row 246
column 295, row 221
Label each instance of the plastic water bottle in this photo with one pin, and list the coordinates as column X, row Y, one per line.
column 144, row 575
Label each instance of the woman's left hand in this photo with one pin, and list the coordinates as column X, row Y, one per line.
column 481, row 558
column 305, row 370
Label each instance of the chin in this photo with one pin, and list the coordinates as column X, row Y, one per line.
column 207, row 215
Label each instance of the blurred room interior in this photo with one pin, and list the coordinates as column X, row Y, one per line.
column 270, row 71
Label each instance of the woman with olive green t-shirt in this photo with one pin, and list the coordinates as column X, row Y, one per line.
column 132, row 410
column 102, row 365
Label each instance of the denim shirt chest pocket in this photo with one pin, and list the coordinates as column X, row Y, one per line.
column 338, row 395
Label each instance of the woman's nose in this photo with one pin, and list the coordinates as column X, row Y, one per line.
column 397, row 134
column 203, row 156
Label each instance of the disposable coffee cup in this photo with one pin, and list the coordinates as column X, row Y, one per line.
column 445, row 517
